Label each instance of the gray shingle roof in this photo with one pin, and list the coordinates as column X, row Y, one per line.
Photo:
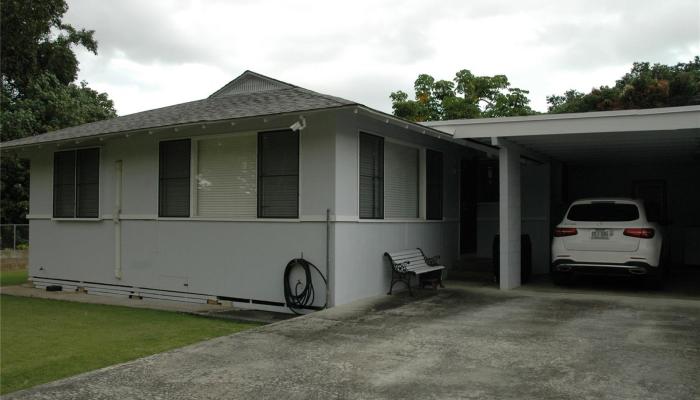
column 283, row 98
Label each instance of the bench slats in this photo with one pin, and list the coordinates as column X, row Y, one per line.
column 403, row 255
column 415, row 259
column 406, row 256
column 411, row 260
column 404, row 252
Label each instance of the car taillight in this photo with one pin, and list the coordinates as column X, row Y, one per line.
column 559, row 232
column 644, row 233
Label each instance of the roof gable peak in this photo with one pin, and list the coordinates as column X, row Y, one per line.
column 251, row 82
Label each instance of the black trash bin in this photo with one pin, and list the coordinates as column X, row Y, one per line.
column 525, row 258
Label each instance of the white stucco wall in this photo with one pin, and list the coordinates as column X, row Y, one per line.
column 361, row 269
column 237, row 258
column 242, row 259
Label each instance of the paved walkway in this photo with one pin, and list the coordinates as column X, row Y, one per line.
column 466, row 343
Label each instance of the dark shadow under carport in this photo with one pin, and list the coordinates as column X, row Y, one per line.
column 651, row 154
column 683, row 281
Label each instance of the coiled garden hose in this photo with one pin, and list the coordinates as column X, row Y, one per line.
column 304, row 294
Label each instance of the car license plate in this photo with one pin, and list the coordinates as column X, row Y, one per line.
column 603, row 234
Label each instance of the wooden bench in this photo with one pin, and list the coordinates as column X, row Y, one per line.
column 405, row 263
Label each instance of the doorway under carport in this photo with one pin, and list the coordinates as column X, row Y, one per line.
column 544, row 162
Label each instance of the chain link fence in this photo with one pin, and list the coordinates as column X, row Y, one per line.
column 14, row 245
column 14, row 236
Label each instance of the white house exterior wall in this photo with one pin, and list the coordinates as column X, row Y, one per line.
column 242, row 259
column 361, row 269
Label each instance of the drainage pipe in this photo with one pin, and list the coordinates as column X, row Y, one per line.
column 116, row 215
column 328, row 255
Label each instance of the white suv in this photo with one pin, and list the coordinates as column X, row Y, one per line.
column 607, row 236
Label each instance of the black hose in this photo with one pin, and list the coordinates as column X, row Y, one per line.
column 302, row 298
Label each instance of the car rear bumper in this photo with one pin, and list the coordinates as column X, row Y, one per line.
column 590, row 268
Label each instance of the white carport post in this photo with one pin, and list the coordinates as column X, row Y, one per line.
column 509, row 213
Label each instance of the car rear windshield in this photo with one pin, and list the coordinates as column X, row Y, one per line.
column 603, row 212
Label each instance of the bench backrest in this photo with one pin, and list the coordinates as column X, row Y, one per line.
column 414, row 257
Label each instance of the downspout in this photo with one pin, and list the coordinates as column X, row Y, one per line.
column 328, row 255
column 116, row 215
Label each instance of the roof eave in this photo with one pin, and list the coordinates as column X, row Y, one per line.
column 426, row 130
column 661, row 119
column 8, row 146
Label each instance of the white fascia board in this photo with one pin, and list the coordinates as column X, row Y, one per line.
column 425, row 130
column 657, row 119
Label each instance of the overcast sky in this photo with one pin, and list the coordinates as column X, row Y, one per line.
column 154, row 53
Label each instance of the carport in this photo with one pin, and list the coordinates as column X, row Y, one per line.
column 546, row 161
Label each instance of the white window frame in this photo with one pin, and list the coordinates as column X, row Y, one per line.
column 194, row 165
column 157, row 177
column 193, row 178
column 299, row 175
column 421, row 179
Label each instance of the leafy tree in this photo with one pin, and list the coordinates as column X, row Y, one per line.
column 39, row 93
column 645, row 86
column 466, row 96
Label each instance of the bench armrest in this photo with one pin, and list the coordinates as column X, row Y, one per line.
column 432, row 261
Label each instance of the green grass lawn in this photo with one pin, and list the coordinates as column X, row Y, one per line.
column 10, row 278
column 44, row 340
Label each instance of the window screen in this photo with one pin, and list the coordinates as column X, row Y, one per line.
column 227, row 177
column 400, row 181
column 64, row 184
column 278, row 174
column 371, row 176
column 76, row 183
column 433, row 174
column 174, row 179
column 88, row 183
column 603, row 211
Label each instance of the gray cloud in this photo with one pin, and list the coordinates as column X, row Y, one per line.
column 355, row 88
column 364, row 50
column 140, row 30
column 622, row 34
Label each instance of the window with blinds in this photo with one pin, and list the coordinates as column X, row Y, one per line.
column 371, row 176
column 401, row 190
column 278, row 174
column 174, row 179
column 433, row 187
column 76, row 183
column 226, row 177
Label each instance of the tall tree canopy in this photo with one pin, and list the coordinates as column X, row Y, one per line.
column 645, row 86
column 39, row 93
column 466, row 96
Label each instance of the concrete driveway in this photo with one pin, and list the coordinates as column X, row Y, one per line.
column 461, row 342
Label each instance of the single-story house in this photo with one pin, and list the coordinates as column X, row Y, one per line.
column 210, row 200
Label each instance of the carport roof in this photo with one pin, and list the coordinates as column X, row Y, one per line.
column 649, row 135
